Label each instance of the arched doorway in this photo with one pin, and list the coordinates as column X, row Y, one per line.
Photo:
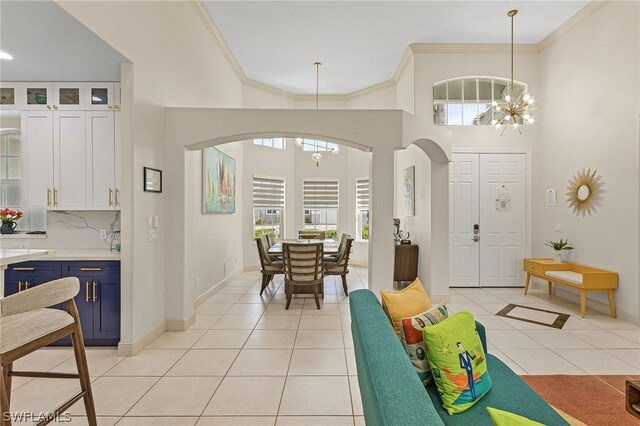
column 379, row 131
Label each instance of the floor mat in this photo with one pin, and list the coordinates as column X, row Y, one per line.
column 534, row 315
column 593, row 400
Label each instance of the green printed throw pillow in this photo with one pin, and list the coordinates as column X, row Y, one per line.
column 413, row 342
column 457, row 362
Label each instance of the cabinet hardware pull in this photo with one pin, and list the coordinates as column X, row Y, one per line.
column 48, row 197
column 117, row 191
column 55, row 197
column 19, row 286
column 94, row 291
column 110, row 106
column 49, row 106
column 91, row 269
column 55, row 107
column 110, row 193
column 24, row 269
column 26, row 285
column 86, row 291
column 117, row 107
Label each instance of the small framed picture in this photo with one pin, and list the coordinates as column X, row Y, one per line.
column 152, row 180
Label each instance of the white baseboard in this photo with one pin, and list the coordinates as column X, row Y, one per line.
column 130, row 349
column 215, row 288
column 180, row 324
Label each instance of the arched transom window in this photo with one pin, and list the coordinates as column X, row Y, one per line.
column 466, row 101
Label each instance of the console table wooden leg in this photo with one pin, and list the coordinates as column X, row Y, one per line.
column 583, row 302
column 612, row 304
column 550, row 287
column 526, row 283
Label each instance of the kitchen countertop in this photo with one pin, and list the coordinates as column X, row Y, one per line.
column 83, row 255
column 8, row 257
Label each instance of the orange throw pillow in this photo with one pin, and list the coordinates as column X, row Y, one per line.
column 405, row 303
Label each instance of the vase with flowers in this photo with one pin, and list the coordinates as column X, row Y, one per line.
column 8, row 218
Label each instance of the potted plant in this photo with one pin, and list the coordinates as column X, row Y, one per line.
column 8, row 218
column 559, row 247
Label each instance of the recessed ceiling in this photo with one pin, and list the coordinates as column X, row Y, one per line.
column 49, row 45
column 360, row 43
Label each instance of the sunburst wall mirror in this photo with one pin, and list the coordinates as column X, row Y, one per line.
column 584, row 192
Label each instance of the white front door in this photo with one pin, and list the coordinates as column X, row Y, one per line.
column 487, row 220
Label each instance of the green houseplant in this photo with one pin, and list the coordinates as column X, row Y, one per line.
column 559, row 247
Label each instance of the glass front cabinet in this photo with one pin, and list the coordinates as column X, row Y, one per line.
column 70, row 96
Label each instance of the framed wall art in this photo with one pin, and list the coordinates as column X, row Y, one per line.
column 409, row 182
column 152, row 180
column 219, row 182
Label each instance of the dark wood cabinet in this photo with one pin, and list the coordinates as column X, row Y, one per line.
column 405, row 263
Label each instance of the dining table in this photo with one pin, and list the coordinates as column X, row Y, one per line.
column 330, row 247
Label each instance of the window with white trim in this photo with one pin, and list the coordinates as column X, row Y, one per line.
column 277, row 143
column 467, row 101
column 320, row 205
column 10, row 168
column 268, row 206
column 362, row 209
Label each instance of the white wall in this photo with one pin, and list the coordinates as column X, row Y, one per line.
column 589, row 119
column 173, row 65
column 216, row 248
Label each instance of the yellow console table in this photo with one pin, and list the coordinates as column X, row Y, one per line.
column 579, row 277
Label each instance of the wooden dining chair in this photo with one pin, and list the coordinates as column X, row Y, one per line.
column 268, row 267
column 340, row 266
column 303, row 267
column 271, row 240
column 27, row 325
column 311, row 234
column 343, row 241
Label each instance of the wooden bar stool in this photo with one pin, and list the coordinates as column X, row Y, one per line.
column 27, row 325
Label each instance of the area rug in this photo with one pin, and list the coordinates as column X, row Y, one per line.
column 534, row 315
column 593, row 400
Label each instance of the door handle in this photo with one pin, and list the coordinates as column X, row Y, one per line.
column 91, row 269
column 86, row 291
column 116, row 191
column 48, row 197
column 110, row 195
column 23, row 269
column 55, row 197
column 19, row 286
column 94, row 291
column 26, row 285
column 475, row 238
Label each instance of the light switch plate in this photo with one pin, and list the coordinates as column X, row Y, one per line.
column 557, row 227
column 155, row 221
column 149, row 221
column 153, row 235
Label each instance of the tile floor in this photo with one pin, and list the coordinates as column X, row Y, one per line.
column 247, row 361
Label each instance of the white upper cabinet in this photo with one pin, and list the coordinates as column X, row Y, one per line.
column 101, row 155
column 36, row 96
column 69, row 96
column 101, row 97
column 37, row 159
column 69, row 160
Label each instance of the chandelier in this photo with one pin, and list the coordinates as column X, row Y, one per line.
column 510, row 111
column 316, row 156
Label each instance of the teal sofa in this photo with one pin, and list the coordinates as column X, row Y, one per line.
column 392, row 393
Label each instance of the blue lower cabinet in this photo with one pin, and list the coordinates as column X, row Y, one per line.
column 98, row 301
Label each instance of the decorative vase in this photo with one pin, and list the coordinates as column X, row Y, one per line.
column 8, row 227
column 557, row 256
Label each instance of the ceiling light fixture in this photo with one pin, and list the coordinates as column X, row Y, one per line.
column 5, row 55
column 316, row 156
column 511, row 112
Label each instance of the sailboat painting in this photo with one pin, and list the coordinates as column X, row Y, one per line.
column 219, row 182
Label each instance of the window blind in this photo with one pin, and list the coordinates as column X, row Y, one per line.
column 362, row 194
column 268, row 193
column 320, row 194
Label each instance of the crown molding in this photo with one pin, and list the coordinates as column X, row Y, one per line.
column 592, row 7
column 213, row 29
column 471, row 48
column 404, row 63
column 268, row 88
